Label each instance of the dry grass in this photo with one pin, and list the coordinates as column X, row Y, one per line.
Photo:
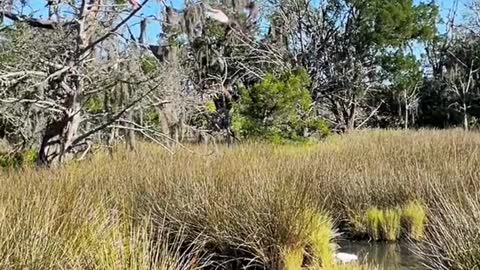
column 225, row 207
column 452, row 240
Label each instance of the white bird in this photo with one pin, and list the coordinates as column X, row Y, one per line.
column 217, row 15
column 345, row 258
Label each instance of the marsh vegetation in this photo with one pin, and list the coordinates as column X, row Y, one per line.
column 259, row 206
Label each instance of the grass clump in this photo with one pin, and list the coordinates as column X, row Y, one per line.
column 391, row 225
column 378, row 225
column 292, row 258
column 374, row 221
column 320, row 239
column 414, row 218
column 318, row 252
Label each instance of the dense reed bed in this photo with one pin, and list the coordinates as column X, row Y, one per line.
column 253, row 205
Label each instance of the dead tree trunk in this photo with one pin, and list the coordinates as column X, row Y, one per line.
column 405, row 98
column 58, row 141
column 465, row 115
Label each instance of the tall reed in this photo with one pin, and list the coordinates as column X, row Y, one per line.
column 221, row 206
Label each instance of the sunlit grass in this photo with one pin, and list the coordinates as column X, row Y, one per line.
column 391, row 225
column 374, row 221
column 246, row 205
column 388, row 224
column 414, row 219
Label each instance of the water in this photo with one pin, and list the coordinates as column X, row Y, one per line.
column 384, row 255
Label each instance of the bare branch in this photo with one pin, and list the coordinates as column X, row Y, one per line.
column 34, row 22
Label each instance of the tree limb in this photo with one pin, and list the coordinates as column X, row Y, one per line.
column 34, row 22
column 112, row 119
column 114, row 29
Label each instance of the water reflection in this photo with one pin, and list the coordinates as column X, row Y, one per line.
column 384, row 255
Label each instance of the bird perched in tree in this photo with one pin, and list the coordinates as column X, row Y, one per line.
column 216, row 14
column 135, row 4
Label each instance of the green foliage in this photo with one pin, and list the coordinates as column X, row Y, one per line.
column 318, row 233
column 320, row 238
column 277, row 109
column 293, row 258
column 388, row 23
column 149, row 64
column 17, row 160
column 389, row 224
column 374, row 219
column 10, row 161
column 401, row 70
column 95, row 105
column 152, row 117
column 210, row 107
column 30, row 156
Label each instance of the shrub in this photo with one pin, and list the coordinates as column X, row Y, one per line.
column 278, row 109
column 149, row 64
column 19, row 159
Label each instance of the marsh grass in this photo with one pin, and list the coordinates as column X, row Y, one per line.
column 226, row 207
column 452, row 237
column 414, row 220
column 376, row 224
column 318, row 249
column 391, row 225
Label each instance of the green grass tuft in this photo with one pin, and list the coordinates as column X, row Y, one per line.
column 414, row 218
column 374, row 221
column 391, row 224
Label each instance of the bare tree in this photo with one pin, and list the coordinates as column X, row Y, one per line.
column 82, row 57
column 461, row 79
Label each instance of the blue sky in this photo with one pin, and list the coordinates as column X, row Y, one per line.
column 153, row 9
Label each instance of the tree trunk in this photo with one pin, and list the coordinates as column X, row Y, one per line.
column 130, row 132
column 465, row 116
column 57, row 142
column 350, row 125
column 406, row 108
column 351, row 117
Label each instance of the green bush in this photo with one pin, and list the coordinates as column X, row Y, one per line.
column 95, row 105
column 16, row 160
column 278, row 109
column 149, row 64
